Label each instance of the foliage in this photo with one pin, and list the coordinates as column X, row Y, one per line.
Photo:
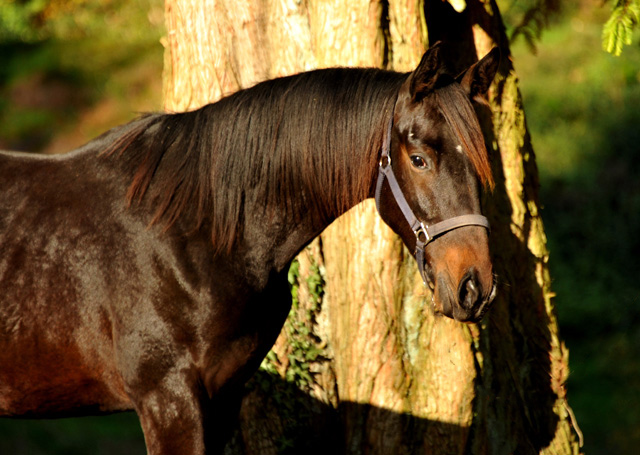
column 582, row 113
column 528, row 18
column 31, row 21
column 304, row 345
column 20, row 21
column 618, row 30
column 62, row 58
column 304, row 348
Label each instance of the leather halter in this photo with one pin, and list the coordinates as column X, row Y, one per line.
column 424, row 233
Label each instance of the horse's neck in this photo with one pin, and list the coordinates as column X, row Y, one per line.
column 278, row 241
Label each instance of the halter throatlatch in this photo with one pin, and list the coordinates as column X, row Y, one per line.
column 424, row 233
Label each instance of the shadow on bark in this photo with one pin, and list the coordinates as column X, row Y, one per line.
column 279, row 418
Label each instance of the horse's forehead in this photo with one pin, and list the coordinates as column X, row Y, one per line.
column 423, row 118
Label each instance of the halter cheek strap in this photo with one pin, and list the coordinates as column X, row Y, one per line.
column 424, row 233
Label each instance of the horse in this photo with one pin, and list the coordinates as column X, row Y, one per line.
column 147, row 269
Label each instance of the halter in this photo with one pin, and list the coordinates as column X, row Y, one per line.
column 424, row 233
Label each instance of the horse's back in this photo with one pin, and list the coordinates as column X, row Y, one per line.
column 54, row 329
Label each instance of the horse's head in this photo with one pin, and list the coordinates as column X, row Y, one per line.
column 436, row 159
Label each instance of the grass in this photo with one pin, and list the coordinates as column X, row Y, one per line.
column 105, row 435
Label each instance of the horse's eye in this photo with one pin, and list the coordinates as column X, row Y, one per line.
column 419, row 162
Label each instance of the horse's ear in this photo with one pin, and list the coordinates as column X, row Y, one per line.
column 425, row 77
column 478, row 77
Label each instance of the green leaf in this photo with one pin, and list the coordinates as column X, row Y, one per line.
column 618, row 30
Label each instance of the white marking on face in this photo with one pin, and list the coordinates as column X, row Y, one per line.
column 459, row 148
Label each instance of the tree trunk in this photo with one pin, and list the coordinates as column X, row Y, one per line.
column 362, row 364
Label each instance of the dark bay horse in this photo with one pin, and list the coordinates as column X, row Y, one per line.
column 147, row 270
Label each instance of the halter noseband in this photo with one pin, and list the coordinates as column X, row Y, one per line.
column 424, row 233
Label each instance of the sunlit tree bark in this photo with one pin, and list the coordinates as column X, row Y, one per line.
column 362, row 365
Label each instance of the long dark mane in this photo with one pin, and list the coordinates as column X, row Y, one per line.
column 461, row 117
column 285, row 140
column 275, row 143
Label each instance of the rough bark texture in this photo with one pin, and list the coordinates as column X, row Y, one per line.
column 362, row 364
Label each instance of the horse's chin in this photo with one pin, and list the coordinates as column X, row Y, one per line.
column 459, row 314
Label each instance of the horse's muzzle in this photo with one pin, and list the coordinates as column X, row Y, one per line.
column 470, row 303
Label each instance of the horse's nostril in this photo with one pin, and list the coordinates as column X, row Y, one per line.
column 469, row 292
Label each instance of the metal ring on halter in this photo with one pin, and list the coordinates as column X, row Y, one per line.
column 422, row 230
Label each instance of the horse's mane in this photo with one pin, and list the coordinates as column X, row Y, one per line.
column 292, row 142
column 461, row 117
column 291, row 139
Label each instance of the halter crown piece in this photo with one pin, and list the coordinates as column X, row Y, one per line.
column 424, row 233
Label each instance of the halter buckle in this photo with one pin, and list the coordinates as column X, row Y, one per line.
column 385, row 161
column 422, row 234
